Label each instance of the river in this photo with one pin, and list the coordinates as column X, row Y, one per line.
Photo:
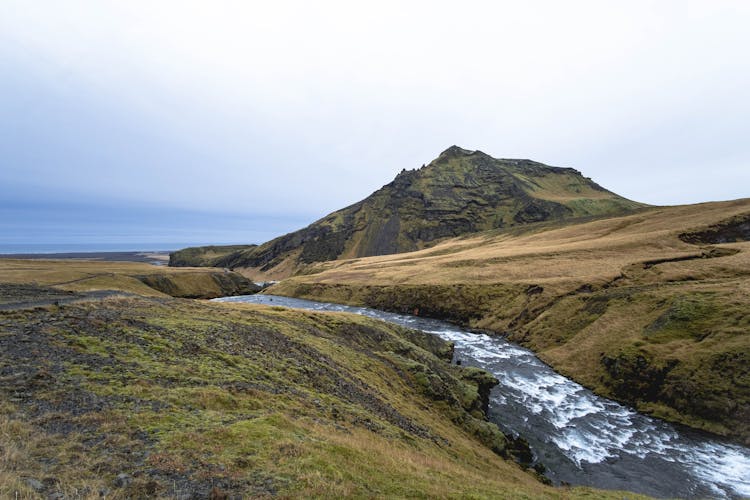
column 582, row 438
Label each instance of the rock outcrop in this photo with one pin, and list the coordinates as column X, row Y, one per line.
column 460, row 192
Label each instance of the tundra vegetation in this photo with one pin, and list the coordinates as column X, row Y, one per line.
column 459, row 192
column 207, row 256
column 114, row 384
column 649, row 308
column 134, row 394
column 83, row 276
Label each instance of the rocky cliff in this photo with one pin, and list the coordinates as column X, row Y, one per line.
column 459, row 192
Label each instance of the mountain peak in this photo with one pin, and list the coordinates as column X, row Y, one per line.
column 460, row 192
column 456, row 151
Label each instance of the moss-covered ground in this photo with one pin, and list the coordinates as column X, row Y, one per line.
column 143, row 397
column 84, row 276
column 640, row 308
column 204, row 256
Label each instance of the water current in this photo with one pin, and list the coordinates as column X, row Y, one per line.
column 582, row 438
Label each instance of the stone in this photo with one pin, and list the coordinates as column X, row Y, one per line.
column 34, row 484
column 123, row 480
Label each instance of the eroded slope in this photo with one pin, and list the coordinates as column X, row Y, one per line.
column 144, row 397
column 623, row 305
column 460, row 192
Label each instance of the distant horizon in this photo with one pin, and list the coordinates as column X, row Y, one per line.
column 65, row 225
column 232, row 121
column 62, row 248
column 93, row 243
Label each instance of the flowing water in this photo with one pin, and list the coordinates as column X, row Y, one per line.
column 582, row 438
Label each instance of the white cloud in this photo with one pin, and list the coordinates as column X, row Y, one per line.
column 307, row 106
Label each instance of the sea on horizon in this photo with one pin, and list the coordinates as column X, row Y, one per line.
column 49, row 248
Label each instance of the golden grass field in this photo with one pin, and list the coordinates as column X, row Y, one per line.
column 621, row 304
column 189, row 397
column 593, row 252
column 129, row 277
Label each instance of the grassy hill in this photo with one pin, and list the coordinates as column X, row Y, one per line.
column 648, row 308
column 83, row 276
column 460, row 192
column 207, row 256
column 145, row 395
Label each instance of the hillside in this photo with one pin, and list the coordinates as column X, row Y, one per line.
column 207, row 256
column 648, row 308
column 460, row 192
column 147, row 396
column 76, row 278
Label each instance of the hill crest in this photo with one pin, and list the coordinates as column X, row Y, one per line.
column 460, row 192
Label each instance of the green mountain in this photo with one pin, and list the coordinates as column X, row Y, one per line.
column 459, row 192
column 204, row 256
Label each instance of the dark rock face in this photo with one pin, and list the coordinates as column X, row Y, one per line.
column 203, row 256
column 728, row 231
column 221, row 284
column 484, row 381
column 460, row 192
column 635, row 377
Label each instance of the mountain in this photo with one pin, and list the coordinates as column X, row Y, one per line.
column 459, row 192
column 204, row 256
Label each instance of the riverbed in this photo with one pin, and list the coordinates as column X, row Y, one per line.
column 582, row 438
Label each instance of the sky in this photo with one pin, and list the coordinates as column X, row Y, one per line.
column 186, row 122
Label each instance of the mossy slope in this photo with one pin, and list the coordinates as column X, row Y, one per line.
column 460, row 192
column 628, row 306
column 200, row 284
column 206, row 256
column 160, row 397
column 128, row 277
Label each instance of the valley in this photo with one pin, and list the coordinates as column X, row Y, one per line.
column 135, row 394
column 622, row 305
column 120, row 380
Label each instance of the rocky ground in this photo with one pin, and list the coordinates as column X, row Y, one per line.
column 25, row 296
column 649, row 309
column 135, row 397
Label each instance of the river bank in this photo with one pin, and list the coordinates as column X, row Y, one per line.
column 152, row 396
column 581, row 438
column 649, row 309
column 634, row 344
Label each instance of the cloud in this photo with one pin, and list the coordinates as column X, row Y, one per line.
column 300, row 108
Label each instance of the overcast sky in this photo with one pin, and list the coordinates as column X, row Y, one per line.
column 218, row 121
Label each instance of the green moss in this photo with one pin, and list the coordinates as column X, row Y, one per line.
column 265, row 400
column 91, row 345
column 690, row 317
column 460, row 192
column 203, row 256
column 199, row 284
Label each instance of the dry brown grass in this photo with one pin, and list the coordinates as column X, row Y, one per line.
column 591, row 252
column 23, row 447
column 86, row 276
column 584, row 296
